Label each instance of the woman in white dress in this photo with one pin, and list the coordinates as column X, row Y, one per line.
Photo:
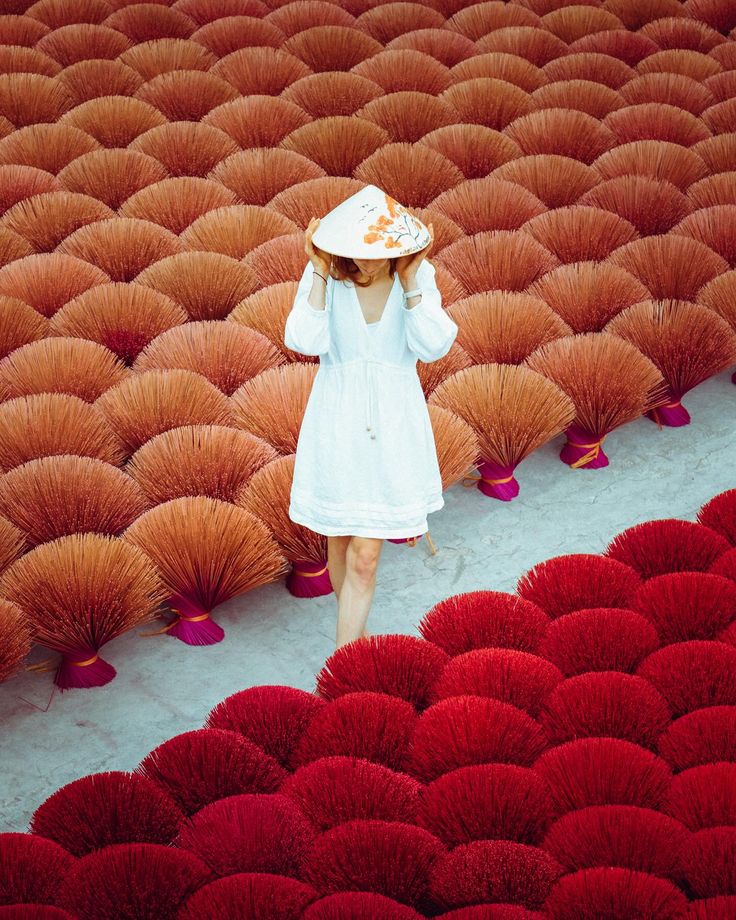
column 366, row 465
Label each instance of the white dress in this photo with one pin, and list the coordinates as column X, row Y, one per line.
column 366, row 460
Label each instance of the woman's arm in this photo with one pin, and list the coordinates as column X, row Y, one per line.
column 430, row 331
column 307, row 327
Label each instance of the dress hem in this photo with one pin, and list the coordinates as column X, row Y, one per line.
column 405, row 530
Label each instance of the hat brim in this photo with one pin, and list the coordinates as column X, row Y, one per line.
column 368, row 250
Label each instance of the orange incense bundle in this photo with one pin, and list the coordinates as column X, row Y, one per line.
column 206, row 551
column 79, row 592
column 15, row 638
column 54, row 496
column 610, row 383
column 198, row 460
column 512, row 410
column 687, row 342
column 267, row 496
column 12, row 543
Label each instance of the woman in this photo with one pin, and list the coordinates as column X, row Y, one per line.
column 366, row 465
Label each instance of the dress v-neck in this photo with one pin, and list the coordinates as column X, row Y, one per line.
column 360, row 309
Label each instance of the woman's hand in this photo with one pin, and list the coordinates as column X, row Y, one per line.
column 407, row 266
column 319, row 259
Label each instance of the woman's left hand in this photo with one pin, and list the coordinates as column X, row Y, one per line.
column 407, row 266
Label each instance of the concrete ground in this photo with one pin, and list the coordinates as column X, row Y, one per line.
column 164, row 687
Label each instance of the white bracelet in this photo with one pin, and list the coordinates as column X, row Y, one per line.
column 408, row 294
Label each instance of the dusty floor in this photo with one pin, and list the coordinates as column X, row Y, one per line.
column 164, row 687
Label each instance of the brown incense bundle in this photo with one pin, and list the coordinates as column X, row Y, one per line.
column 17, row 181
column 480, row 19
column 45, row 146
column 650, row 205
column 714, row 190
column 198, row 460
column 408, row 115
column 313, row 196
column 669, row 265
column 55, row 423
column 206, row 551
column 111, row 175
column 445, row 46
column 267, row 496
column 474, row 149
column 333, row 93
column 50, row 217
column 687, row 342
column 19, row 325
column 456, row 442
column 185, row 148
column 512, row 410
column 582, row 95
column 114, row 121
column 534, row 44
column 225, row 353
column 46, row 281
column 610, row 383
column 12, row 543
column 261, row 70
column 266, row 312
column 386, row 24
column 293, row 18
column 655, row 121
column 122, row 247
column 507, row 259
column 92, row 78
column 339, row 143
column 573, row 22
column 432, row 374
column 720, row 296
column 488, row 204
column 206, row 284
column 555, row 180
column 490, row 102
column 399, row 70
column 431, row 173
column 55, row 496
column 505, row 327
column 61, row 365
column 13, row 246
column 715, row 226
column 15, row 638
column 122, row 317
column 332, row 47
column 589, row 65
column 562, row 131
column 177, row 202
column 257, row 121
column 656, row 159
column 236, row 230
column 579, row 233
column 272, row 404
column 257, row 175
column 280, row 259
column 669, row 89
column 588, row 294
column 148, row 403
column 78, row 593
column 188, row 95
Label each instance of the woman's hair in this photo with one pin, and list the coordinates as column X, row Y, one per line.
column 344, row 269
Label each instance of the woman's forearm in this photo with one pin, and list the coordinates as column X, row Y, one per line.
column 317, row 294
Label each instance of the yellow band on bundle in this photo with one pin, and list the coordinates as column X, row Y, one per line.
column 310, row 574
column 494, row 482
column 197, row 619
column 595, row 449
column 83, row 664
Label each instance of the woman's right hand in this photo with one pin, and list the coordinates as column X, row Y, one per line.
column 320, row 260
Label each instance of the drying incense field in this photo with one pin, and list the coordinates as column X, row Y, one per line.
column 543, row 721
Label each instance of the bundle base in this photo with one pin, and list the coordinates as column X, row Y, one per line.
column 192, row 625
column 309, row 579
column 583, row 450
column 494, row 480
column 671, row 415
column 82, row 670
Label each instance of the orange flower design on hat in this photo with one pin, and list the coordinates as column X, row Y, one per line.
column 396, row 229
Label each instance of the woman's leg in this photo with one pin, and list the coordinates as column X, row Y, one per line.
column 356, row 594
column 337, row 547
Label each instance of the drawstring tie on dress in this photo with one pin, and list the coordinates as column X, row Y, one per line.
column 369, row 399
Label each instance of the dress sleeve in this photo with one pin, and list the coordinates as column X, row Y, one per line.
column 307, row 330
column 430, row 331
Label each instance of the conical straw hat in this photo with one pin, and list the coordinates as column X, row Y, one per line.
column 370, row 225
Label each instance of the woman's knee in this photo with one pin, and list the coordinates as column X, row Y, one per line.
column 362, row 557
